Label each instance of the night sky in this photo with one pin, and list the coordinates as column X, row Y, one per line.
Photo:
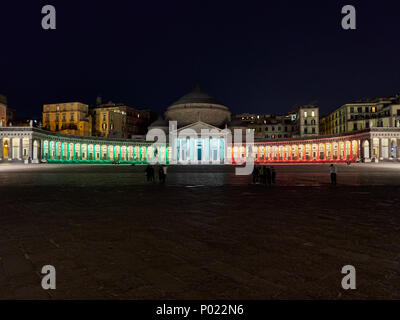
column 261, row 57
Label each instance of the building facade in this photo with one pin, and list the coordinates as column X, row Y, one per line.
column 351, row 117
column 68, row 118
column 119, row 120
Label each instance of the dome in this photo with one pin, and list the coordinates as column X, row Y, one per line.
column 196, row 96
column 198, row 106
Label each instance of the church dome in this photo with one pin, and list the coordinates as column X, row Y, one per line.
column 198, row 106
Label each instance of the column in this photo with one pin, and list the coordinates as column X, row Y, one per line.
column 218, row 146
column 30, row 149
column 298, row 155
column 324, row 157
column 291, row 153
column 20, row 155
column 68, row 152
column 127, row 153
column 74, row 152
column 265, row 153
column 398, row 148
column 304, row 152
column 277, row 153
column 371, row 148
column 331, row 156
column 80, row 155
column 351, row 149
column 380, row 149
column 1, row 148
column 133, row 153
column 55, row 149
column 358, row 149
column 271, row 153
column 258, row 153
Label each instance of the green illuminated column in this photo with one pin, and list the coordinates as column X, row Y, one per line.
column 43, row 150
column 74, row 157
column 133, row 153
column 166, row 154
column 107, row 158
column 80, row 156
column 68, row 151
column 140, row 153
column 55, row 149
column 114, row 153
column 127, row 153
column 87, row 151
column 147, row 154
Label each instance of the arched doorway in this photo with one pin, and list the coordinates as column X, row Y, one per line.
column 366, row 149
column 5, row 148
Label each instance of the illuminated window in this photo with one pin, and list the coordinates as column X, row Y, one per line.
column 305, row 114
column 373, row 109
column 312, row 114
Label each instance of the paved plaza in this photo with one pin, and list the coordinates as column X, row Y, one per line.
column 206, row 234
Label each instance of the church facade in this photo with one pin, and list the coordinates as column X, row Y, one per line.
column 197, row 130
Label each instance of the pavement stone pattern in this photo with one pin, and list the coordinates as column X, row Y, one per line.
column 206, row 234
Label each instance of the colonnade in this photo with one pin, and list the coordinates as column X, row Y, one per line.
column 302, row 151
column 59, row 151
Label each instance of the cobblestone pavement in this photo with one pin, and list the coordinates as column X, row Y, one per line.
column 207, row 234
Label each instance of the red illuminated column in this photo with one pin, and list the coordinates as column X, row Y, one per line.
column 331, row 157
column 265, row 153
column 258, row 153
column 291, row 153
column 304, row 151
column 271, row 154
column 357, row 148
column 277, row 153
column 297, row 158
column 351, row 150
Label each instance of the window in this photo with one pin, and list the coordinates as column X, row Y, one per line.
column 398, row 112
column 273, row 128
column 305, row 130
column 104, row 117
column 313, row 130
column 266, row 128
column 354, row 126
column 305, row 122
column 72, row 117
column 313, row 121
column 305, row 114
column 312, row 114
column 352, row 109
column 63, row 117
column 359, row 109
column 366, row 109
column 373, row 109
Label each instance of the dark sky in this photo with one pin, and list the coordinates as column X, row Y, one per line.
column 261, row 57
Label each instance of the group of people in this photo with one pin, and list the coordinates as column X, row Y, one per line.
column 150, row 173
column 265, row 175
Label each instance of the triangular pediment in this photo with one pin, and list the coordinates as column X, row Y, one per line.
column 199, row 125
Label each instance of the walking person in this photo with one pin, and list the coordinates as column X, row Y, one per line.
column 151, row 173
column 165, row 170
column 273, row 175
column 264, row 175
column 268, row 175
column 332, row 170
column 255, row 173
column 161, row 174
column 148, row 172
